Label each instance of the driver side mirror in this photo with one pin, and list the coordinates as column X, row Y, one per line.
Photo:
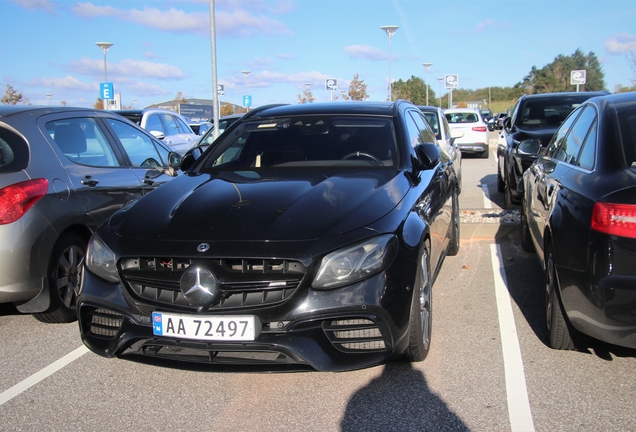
column 456, row 133
column 174, row 163
column 190, row 158
column 507, row 124
column 428, row 155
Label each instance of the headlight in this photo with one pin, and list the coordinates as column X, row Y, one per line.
column 100, row 260
column 355, row 263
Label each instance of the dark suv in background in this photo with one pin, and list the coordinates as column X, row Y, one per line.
column 534, row 120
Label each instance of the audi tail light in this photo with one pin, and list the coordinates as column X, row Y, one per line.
column 479, row 128
column 18, row 198
column 615, row 219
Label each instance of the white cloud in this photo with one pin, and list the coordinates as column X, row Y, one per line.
column 68, row 83
column 620, row 43
column 366, row 52
column 45, row 5
column 127, row 68
column 237, row 23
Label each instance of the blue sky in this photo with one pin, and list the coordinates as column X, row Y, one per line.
column 161, row 48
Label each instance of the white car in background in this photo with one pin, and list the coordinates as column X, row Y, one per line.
column 168, row 126
column 475, row 130
column 445, row 137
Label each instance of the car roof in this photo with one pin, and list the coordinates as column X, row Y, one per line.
column 8, row 110
column 563, row 94
column 368, row 108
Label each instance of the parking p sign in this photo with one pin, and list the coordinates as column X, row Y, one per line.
column 331, row 84
column 578, row 77
column 452, row 81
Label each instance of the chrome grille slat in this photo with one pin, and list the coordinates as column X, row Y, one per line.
column 243, row 282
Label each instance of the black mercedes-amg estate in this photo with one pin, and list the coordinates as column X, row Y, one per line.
column 307, row 236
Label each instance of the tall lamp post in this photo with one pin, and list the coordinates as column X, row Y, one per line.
column 390, row 29
column 440, row 79
column 104, row 46
column 427, row 65
column 48, row 95
column 246, row 74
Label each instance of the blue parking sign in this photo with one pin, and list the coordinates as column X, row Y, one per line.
column 106, row 90
column 247, row 100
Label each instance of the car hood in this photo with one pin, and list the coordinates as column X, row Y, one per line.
column 250, row 206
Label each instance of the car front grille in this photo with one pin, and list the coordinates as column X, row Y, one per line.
column 243, row 282
column 354, row 335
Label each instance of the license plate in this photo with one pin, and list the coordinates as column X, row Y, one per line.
column 206, row 328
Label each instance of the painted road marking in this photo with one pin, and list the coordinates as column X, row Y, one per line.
column 20, row 387
column 517, row 393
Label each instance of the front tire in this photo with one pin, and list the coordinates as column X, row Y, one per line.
column 65, row 271
column 421, row 318
column 501, row 185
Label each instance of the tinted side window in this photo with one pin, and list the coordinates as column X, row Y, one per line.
column 14, row 151
column 560, row 134
column 588, row 154
column 570, row 148
column 82, row 142
column 171, row 124
column 432, row 120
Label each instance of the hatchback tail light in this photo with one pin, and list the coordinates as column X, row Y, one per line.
column 17, row 198
column 615, row 219
column 479, row 128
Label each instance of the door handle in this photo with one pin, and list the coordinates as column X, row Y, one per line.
column 550, row 190
column 148, row 181
column 89, row 181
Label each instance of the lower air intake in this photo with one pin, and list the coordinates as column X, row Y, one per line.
column 354, row 334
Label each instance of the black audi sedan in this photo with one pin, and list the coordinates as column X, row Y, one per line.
column 579, row 213
column 307, row 236
column 534, row 120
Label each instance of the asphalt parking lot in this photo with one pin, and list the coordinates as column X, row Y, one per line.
column 488, row 369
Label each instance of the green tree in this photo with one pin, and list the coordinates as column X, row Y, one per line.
column 357, row 89
column 12, row 97
column 414, row 90
column 555, row 77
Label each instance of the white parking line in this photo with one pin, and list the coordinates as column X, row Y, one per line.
column 20, row 387
column 517, row 393
column 487, row 201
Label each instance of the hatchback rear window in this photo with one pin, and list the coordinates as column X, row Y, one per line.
column 548, row 112
column 462, row 117
column 14, row 151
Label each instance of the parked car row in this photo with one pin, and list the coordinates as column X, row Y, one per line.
column 534, row 120
column 579, row 212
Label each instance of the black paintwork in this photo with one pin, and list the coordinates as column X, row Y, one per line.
column 295, row 214
column 596, row 272
column 511, row 163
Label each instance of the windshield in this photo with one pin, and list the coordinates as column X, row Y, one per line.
column 307, row 141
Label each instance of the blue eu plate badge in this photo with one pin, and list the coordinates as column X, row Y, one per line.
column 156, row 324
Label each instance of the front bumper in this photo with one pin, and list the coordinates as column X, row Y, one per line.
column 351, row 327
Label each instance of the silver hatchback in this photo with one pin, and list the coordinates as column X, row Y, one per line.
column 64, row 171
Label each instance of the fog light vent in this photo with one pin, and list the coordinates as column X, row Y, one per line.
column 354, row 334
column 104, row 322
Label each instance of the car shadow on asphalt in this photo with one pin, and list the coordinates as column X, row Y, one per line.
column 526, row 287
column 398, row 400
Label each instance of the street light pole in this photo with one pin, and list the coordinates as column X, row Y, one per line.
column 440, row 79
column 246, row 74
column 215, row 84
column 390, row 29
column 104, row 46
column 427, row 65
column 48, row 95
